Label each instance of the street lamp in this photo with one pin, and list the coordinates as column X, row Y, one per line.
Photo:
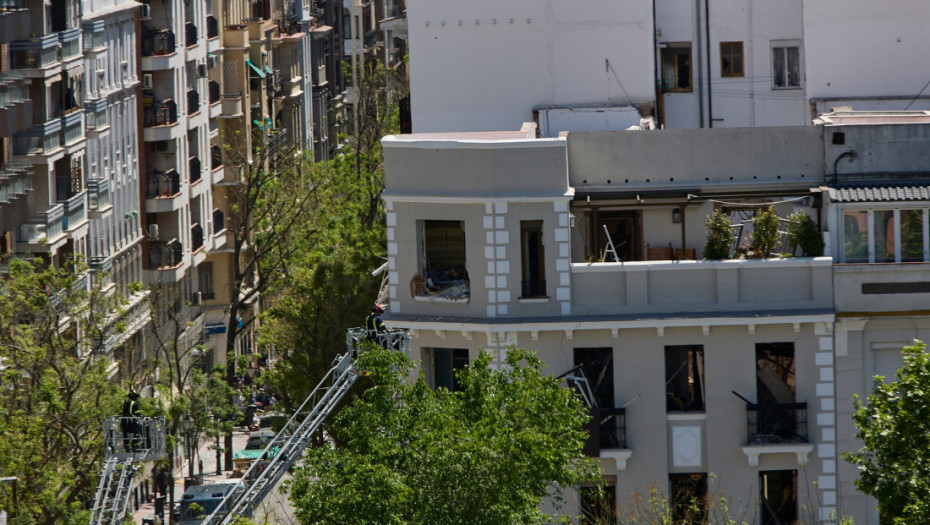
column 188, row 424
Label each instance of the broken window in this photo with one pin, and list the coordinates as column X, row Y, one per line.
column 775, row 379
column 598, row 367
column 444, row 364
column 688, row 498
column 598, row 505
column 532, row 259
column 684, row 378
column 442, row 259
column 786, row 66
column 676, row 67
column 778, row 497
column 731, row 59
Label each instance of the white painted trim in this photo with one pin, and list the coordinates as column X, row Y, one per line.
column 801, row 450
column 532, row 300
column 427, row 299
column 620, row 455
column 659, row 324
column 440, row 199
column 682, row 265
column 462, row 141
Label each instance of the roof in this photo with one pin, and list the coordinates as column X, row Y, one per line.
column 880, row 194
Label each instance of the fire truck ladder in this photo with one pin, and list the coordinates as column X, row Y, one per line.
column 288, row 444
column 124, row 453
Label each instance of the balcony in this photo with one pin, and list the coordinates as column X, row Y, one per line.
column 194, row 170
column 777, row 423
column 190, row 34
column 751, row 287
column 216, row 157
column 43, row 139
column 72, row 127
column 15, row 181
column 219, row 221
column 165, row 254
column 98, row 197
column 44, row 235
column 158, row 42
column 14, row 19
column 196, row 237
column 193, row 101
column 15, row 105
column 607, row 435
column 162, row 185
column 71, row 48
column 160, row 121
column 213, row 27
column 75, row 211
column 35, row 53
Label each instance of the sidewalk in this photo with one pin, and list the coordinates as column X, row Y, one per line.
column 208, row 461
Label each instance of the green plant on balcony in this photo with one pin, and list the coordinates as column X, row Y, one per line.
column 719, row 236
column 764, row 236
column 803, row 233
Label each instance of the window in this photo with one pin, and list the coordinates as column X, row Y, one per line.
column 684, row 378
column 884, row 236
column 442, row 259
column 533, row 259
column 676, row 67
column 624, row 228
column 778, row 497
column 598, row 505
column 786, row 66
column 205, row 272
column 887, row 360
column 688, row 498
column 731, row 59
column 444, row 363
column 775, row 380
column 597, row 366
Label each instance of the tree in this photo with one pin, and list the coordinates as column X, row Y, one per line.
column 894, row 427
column 487, row 454
column 764, row 234
column 55, row 390
column 719, row 236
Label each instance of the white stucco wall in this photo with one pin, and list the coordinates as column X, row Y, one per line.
column 522, row 54
column 867, row 49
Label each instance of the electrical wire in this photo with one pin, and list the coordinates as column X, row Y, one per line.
column 751, row 205
column 611, row 69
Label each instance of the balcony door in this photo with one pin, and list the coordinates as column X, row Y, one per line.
column 775, row 378
column 624, row 228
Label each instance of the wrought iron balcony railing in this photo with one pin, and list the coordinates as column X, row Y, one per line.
column 777, row 423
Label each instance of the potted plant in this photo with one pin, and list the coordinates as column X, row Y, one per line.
column 764, row 236
column 803, row 233
column 719, row 236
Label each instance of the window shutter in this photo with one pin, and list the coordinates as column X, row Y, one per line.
column 886, row 362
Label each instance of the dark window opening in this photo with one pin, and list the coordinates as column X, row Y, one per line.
column 775, row 378
column 676, row 67
column 443, row 260
column 624, row 230
column 684, row 378
column 205, row 271
column 688, row 498
column 778, row 497
column 598, row 367
column 446, row 364
column 532, row 259
column 786, row 64
column 598, row 505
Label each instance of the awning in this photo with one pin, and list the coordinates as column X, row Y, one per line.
column 255, row 68
column 269, row 70
column 880, row 194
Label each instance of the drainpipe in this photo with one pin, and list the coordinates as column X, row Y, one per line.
column 700, row 76
column 710, row 99
column 655, row 67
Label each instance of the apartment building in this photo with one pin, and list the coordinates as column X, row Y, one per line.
column 733, row 378
column 590, row 66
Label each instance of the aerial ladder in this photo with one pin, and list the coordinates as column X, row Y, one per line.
column 128, row 441
column 290, row 442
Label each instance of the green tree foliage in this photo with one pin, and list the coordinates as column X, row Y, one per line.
column 803, row 233
column 55, row 390
column 764, row 236
column 486, row 454
column 894, row 426
column 719, row 236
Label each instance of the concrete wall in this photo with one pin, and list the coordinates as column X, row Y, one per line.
column 474, row 168
column 621, row 160
column 892, row 50
column 522, row 54
column 639, row 384
column 881, row 149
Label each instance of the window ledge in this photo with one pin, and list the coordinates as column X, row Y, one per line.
column 801, row 450
column 432, row 299
column 620, row 456
column 533, row 300
column 686, row 416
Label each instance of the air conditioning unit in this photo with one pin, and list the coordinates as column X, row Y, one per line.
column 153, row 231
column 213, row 61
column 145, row 12
column 196, row 298
column 201, row 70
column 147, row 81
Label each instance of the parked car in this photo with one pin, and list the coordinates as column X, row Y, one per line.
column 200, row 501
